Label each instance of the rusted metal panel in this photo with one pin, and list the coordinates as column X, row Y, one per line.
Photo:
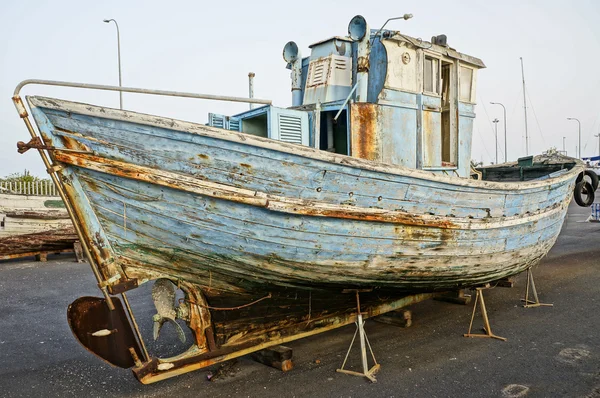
column 104, row 332
column 365, row 135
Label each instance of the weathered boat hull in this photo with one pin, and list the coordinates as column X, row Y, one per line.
column 236, row 219
column 31, row 228
column 289, row 220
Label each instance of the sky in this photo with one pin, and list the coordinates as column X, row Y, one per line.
column 209, row 47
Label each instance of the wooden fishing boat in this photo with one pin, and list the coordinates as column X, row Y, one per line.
column 34, row 226
column 267, row 219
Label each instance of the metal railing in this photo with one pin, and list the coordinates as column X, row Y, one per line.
column 139, row 91
column 31, row 188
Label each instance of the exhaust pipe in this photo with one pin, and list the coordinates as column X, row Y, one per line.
column 251, row 87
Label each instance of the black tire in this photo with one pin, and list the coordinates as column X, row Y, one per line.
column 579, row 178
column 584, row 193
column 593, row 177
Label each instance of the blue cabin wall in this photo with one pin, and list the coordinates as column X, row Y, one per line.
column 409, row 127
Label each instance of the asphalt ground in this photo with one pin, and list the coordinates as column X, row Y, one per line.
column 550, row 351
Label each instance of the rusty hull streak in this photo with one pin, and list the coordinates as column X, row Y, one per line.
column 224, row 192
column 396, row 217
column 97, row 247
column 150, row 373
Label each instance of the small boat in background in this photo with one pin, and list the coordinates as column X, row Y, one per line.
column 33, row 225
column 265, row 220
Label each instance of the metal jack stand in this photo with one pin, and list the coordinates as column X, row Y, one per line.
column 368, row 373
column 529, row 303
column 486, row 322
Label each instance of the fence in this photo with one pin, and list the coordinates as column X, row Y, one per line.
column 32, row 188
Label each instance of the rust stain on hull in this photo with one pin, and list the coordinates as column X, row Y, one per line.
column 220, row 191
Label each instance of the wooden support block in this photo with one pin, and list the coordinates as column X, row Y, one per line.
column 278, row 357
column 505, row 282
column 78, row 251
column 43, row 257
column 401, row 318
column 456, row 297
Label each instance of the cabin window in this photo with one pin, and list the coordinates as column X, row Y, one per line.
column 466, row 82
column 430, row 75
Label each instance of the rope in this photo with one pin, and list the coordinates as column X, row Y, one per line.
column 536, row 118
column 268, row 296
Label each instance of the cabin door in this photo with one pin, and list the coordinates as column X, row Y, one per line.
column 448, row 139
column 431, row 109
column 439, row 126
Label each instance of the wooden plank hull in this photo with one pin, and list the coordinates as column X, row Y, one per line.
column 235, row 219
column 296, row 221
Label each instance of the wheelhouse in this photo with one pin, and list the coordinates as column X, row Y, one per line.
column 376, row 95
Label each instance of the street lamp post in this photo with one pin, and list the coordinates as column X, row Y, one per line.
column 578, row 146
column 119, row 59
column 504, row 108
column 495, row 121
column 564, row 150
column 598, row 135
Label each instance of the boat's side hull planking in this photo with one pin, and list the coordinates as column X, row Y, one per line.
column 465, row 235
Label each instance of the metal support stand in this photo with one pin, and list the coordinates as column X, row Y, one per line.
column 529, row 303
column 486, row 322
column 368, row 373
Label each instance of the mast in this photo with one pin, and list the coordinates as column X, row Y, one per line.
column 525, row 108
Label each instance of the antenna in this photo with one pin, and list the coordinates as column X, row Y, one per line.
column 525, row 108
column 406, row 17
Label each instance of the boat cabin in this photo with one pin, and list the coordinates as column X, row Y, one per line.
column 378, row 95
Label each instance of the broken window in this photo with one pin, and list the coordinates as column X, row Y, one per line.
column 430, row 75
column 466, row 81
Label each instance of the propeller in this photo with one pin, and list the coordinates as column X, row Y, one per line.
column 163, row 295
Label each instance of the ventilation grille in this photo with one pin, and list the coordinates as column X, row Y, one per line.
column 290, row 129
column 340, row 63
column 224, row 122
column 217, row 121
column 318, row 72
column 234, row 124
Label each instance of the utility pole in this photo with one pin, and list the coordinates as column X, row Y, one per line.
column 495, row 121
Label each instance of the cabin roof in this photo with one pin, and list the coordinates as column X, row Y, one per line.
column 341, row 38
column 426, row 45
